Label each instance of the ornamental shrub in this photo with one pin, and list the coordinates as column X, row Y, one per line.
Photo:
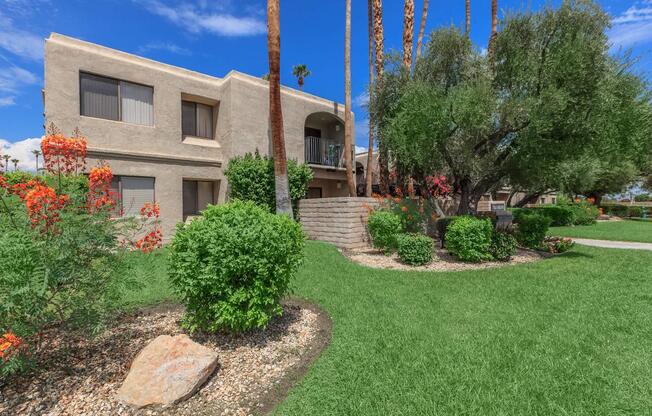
column 503, row 246
column 531, row 229
column 585, row 213
column 560, row 215
column 469, row 238
column 414, row 249
column 384, row 227
column 635, row 212
column 233, row 265
column 557, row 245
column 251, row 178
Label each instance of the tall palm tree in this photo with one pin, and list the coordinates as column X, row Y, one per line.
column 408, row 33
column 468, row 18
column 348, row 122
column 494, row 27
column 370, row 151
column 15, row 162
column 379, row 40
column 300, row 71
column 422, row 27
column 36, row 154
column 6, row 158
column 283, row 202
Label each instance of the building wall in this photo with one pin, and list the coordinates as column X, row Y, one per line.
column 160, row 151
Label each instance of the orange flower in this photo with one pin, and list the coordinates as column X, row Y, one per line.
column 64, row 155
column 100, row 196
column 10, row 345
column 44, row 206
column 404, row 208
column 3, row 182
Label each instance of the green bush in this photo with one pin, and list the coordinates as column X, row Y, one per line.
column 635, row 212
column 560, row 215
column 616, row 210
column 16, row 177
column 643, row 198
column 233, row 265
column 384, row 226
column 251, row 178
column 414, row 249
column 469, row 238
column 532, row 229
column 585, row 213
column 503, row 246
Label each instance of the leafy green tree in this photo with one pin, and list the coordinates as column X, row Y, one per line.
column 540, row 107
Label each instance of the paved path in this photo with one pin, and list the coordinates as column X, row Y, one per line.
column 614, row 244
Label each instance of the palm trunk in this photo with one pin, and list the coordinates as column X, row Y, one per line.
column 494, row 27
column 468, row 18
column 370, row 151
column 383, row 165
column 422, row 27
column 408, row 33
column 348, row 123
column 283, row 203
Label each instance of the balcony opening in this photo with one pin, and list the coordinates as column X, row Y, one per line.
column 324, row 140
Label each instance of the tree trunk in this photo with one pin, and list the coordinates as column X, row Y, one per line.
column 370, row 151
column 383, row 165
column 468, row 18
column 283, row 202
column 464, row 208
column 422, row 27
column 494, row 27
column 408, row 33
column 348, row 124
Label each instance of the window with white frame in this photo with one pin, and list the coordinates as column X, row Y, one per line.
column 196, row 119
column 112, row 99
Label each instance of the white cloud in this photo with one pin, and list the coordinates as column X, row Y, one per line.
column 7, row 101
column 13, row 77
column 362, row 99
column 634, row 26
column 19, row 42
column 164, row 46
column 362, row 131
column 21, row 150
column 360, row 149
column 197, row 19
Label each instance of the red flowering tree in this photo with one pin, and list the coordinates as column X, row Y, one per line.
column 62, row 254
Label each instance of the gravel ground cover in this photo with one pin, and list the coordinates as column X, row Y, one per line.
column 255, row 370
column 442, row 261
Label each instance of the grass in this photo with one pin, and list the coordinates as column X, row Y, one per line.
column 640, row 231
column 570, row 335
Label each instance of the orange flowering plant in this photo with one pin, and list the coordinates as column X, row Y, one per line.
column 63, row 255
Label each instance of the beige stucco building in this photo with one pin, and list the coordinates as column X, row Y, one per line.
column 168, row 132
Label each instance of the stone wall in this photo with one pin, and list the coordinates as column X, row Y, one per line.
column 340, row 221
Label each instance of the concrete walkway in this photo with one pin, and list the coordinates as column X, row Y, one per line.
column 614, row 244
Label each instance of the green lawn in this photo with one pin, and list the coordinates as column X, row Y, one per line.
column 570, row 335
column 640, row 231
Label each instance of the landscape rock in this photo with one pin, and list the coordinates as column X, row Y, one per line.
column 168, row 370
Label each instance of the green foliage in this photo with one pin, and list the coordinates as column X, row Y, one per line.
column 635, row 211
column 503, row 246
column 415, row 249
column 560, row 215
column 384, row 226
column 469, row 238
column 557, row 245
column 531, row 229
column 643, row 198
column 584, row 213
column 251, row 178
column 19, row 176
column 232, row 266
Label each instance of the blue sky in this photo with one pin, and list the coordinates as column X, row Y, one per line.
column 215, row 36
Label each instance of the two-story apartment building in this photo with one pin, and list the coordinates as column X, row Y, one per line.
column 168, row 132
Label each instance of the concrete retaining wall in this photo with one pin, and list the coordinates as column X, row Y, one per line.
column 340, row 221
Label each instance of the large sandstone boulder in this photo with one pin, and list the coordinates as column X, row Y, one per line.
column 168, row 370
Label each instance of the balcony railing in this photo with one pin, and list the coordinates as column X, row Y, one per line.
column 325, row 152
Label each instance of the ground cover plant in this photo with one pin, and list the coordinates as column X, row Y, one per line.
column 638, row 231
column 497, row 341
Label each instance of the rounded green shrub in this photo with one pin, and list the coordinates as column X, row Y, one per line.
column 503, row 246
column 384, row 226
column 233, row 265
column 585, row 213
column 469, row 238
column 532, row 229
column 415, row 249
column 560, row 215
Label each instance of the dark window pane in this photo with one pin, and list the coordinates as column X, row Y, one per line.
column 99, row 97
column 189, row 198
column 188, row 118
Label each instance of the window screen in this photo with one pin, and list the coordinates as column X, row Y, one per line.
column 188, row 119
column 137, row 103
column 99, row 97
column 204, row 121
column 136, row 192
column 196, row 119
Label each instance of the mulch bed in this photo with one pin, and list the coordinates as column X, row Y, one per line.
column 255, row 371
column 442, row 261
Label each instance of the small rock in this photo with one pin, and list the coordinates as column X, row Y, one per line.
column 168, row 370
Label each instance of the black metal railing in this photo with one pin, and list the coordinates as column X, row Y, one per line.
column 326, row 152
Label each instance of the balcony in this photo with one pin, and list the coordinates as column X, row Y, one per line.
column 324, row 152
